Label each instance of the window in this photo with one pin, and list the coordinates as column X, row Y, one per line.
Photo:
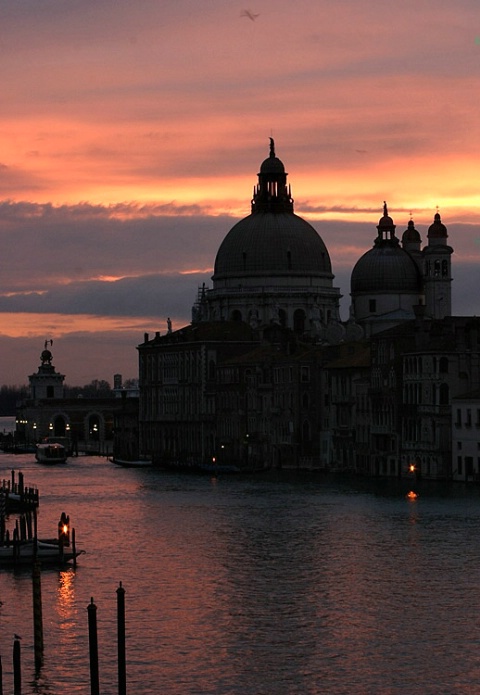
column 444, row 394
column 443, row 365
column 304, row 374
column 299, row 321
column 50, row 392
column 372, row 305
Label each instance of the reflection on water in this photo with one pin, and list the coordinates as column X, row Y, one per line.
column 253, row 586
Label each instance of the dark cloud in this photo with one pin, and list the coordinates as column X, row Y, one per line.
column 54, row 258
column 148, row 296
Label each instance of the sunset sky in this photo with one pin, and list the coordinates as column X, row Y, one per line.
column 131, row 135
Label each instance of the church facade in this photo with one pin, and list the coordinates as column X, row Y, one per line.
column 267, row 374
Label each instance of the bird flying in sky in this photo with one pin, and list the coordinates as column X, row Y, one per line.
column 248, row 13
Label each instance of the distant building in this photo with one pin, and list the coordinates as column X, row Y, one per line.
column 87, row 423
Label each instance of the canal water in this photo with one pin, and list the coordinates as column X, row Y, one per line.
column 272, row 585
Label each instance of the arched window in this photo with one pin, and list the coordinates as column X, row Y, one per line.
column 282, row 317
column 236, row 315
column 444, row 269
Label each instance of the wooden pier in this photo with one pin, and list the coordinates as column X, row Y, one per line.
column 15, row 496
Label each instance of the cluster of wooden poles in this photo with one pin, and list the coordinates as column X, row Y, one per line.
column 18, row 496
column 92, row 642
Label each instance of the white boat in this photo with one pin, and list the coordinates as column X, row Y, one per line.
column 51, row 453
column 23, row 553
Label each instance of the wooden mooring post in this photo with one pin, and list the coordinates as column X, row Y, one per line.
column 17, row 668
column 122, row 665
column 93, row 645
column 37, row 616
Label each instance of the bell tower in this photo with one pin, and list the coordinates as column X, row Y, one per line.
column 438, row 271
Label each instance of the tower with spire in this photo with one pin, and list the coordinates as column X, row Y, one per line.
column 438, row 270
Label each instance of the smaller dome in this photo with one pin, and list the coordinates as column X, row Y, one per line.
column 385, row 268
column 437, row 230
column 272, row 165
column 46, row 356
column 411, row 234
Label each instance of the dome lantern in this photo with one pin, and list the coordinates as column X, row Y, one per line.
column 272, row 194
column 386, row 228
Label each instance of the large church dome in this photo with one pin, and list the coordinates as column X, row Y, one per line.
column 267, row 243
column 272, row 239
column 272, row 266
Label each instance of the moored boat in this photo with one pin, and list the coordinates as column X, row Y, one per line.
column 131, row 463
column 51, row 453
column 24, row 553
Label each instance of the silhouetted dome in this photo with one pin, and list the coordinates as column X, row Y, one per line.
column 437, row 230
column 385, row 268
column 272, row 165
column 46, row 356
column 411, row 234
column 269, row 243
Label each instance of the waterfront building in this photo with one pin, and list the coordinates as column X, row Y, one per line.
column 87, row 424
column 272, row 271
column 293, row 386
column 177, row 373
column 417, row 370
column 466, row 437
column 346, row 425
column 269, row 404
